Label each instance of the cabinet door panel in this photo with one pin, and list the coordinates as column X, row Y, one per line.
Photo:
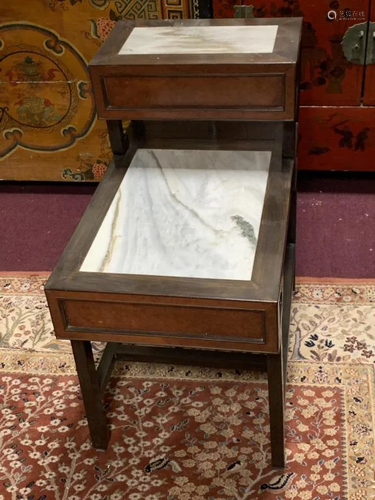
column 327, row 77
column 341, row 138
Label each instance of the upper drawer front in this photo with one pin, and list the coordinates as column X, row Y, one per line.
column 241, row 96
column 171, row 324
column 155, row 92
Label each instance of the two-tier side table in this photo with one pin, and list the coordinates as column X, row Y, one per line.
column 186, row 251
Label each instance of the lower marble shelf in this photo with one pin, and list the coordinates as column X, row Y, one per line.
column 185, row 213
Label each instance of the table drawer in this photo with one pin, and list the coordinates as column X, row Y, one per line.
column 210, row 96
column 172, row 322
column 248, row 91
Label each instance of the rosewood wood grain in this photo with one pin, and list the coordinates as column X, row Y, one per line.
column 169, row 320
column 232, row 325
column 149, row 94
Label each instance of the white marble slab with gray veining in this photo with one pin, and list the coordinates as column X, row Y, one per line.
column 184, row 213
column 201, row 40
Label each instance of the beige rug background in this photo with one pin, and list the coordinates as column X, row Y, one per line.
column 196, row 416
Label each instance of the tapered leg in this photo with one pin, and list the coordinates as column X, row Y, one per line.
column 91, row 393
column 276, row 394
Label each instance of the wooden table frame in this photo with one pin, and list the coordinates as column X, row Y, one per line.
column 241, row 101
column 269, row 292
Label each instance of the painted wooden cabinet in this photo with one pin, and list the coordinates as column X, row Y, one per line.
column 337, row 120
column 48, row 125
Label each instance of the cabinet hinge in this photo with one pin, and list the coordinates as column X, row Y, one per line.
column 243, row 11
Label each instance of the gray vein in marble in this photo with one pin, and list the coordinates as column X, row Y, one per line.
column 191, row 209
column 113, row 240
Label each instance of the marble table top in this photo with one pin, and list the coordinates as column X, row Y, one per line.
column 201, row 40
column 186, row 213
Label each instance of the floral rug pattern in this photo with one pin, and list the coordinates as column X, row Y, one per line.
column 182, row 433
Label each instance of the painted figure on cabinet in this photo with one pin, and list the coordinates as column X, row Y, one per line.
column 335, row 125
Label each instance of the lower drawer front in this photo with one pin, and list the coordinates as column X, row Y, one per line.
column 171, row 322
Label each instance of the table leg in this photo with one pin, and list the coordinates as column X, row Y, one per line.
column 117, row 137
column 91, row 393
column 276, row 392
column 293, row 221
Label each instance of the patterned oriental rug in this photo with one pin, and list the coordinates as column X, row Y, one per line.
column 181, row 433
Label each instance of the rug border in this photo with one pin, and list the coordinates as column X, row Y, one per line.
column 24, row 274
column 329, row 281
column 300, row 279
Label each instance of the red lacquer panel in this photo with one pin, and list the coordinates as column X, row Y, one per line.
column 327, row 78
column 341, row 138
